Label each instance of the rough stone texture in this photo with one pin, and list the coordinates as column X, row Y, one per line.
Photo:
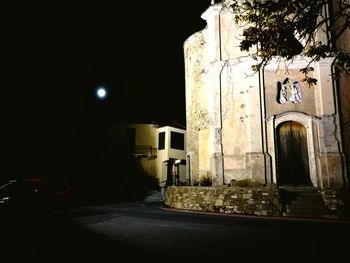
column 260, row 201
column 194, row 109
column 337, row 203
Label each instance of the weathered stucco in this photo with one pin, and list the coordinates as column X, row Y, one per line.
column 344, row 100
column 271, row 78
column 233, row 114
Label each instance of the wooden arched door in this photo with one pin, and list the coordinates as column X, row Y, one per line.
column 292, row 155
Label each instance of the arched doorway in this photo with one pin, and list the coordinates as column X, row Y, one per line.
column 292, row 155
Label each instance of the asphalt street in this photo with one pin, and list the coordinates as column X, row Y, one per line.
column 149, row 231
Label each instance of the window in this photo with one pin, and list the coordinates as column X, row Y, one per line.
column 161, row 141
column 177, row 140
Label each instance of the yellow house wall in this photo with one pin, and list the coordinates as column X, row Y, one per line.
column 145, row 134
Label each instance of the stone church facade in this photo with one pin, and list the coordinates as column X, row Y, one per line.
column 270, row 126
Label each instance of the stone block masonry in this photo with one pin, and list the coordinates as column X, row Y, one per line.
column 261, row 201
column 258, row 201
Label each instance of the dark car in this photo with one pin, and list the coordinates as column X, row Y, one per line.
column 35, row 197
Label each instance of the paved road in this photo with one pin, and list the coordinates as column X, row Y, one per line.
column 147, row 231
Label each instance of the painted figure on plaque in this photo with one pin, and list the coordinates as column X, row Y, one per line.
column 289, row 90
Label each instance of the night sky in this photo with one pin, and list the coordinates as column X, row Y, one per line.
column 55, row 55
column 139, row 57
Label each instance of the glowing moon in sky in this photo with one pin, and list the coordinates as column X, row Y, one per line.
column 101, row 92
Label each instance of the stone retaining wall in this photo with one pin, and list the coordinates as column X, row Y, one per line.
column 264, row 201
column 337, row 203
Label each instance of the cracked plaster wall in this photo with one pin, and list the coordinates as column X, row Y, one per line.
column 214, row 61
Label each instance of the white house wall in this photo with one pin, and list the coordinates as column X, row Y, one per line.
column 167, row 153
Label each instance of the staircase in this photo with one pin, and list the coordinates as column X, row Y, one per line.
column 154, row 198
column 302, row 201
column 344, row 208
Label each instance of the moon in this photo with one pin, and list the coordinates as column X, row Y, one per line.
column 101, row 92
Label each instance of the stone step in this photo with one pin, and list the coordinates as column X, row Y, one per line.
column 315, row 202
column 306, row 206
column 304, row 202
column 304, row 199
column 345, row 209
column 307, row 203
column 303, row 189
column 305, row 214
column 308, row 194
column 155, row 196
column 313, row 210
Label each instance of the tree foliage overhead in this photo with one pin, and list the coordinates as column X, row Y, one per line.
column 290, row 28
